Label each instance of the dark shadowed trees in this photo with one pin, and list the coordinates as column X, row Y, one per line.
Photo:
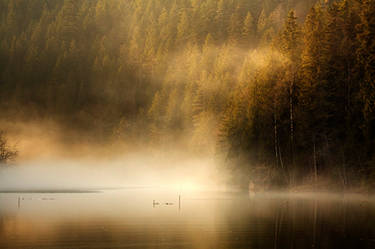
column 285, row 94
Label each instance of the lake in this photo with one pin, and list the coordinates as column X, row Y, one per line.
column 153, row 218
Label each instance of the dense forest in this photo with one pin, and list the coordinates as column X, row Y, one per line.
column 280, row 89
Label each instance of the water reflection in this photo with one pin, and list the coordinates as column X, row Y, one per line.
column 128, row 219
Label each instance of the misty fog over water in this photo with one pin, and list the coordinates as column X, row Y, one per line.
column 187, row 124
column 128, row 219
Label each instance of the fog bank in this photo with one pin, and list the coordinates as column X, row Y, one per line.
column 135, row 170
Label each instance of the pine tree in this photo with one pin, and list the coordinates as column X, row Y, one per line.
column 290, row 39
column 234, row 28
column 248, row 29
column 366, row 56
column 67, row 20
column 183, row 28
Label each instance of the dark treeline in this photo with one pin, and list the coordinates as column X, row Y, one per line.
column 284, row 89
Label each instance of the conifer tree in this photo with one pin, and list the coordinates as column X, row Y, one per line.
column 248, row 29
column 366, row 56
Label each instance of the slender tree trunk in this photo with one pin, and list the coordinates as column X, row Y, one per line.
column 291, row 116
column 344, row 170
column 347, row 88
column 315, row 163
column 280, row 156
column 275, row 141
column 291, row 121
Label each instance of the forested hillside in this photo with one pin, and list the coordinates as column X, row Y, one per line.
column 284, row 89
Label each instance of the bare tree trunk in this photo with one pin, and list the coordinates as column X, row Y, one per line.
column 344, row 170
column 284, row 170
column 315, row 163
column 280, row 156
column 291, row 117
column 276, row 143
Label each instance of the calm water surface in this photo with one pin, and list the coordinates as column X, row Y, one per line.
column 128, row 219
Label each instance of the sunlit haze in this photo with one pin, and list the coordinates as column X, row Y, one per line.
column 187, row 124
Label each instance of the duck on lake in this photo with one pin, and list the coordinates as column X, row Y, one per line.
column 155, row 203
